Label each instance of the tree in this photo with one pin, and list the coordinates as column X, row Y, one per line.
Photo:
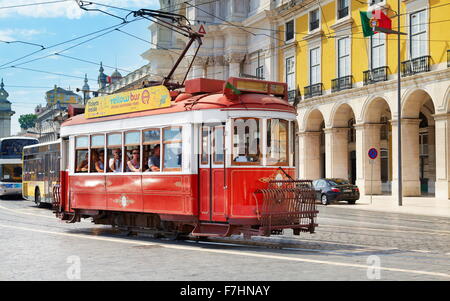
column 27, row 121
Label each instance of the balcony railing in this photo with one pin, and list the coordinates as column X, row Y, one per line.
column 294, row 96
column 341, row 83
column 343, row 12
column 417, row 65
column 313, row 90
column 375, row 75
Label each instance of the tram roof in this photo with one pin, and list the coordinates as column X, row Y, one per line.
column 185, row 102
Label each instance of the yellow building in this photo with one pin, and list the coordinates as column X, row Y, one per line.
column 347, row 87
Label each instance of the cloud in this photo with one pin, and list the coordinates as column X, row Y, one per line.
column 67, row 9
column 11, row 34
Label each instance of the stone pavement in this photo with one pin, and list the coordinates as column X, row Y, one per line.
column 411, row 205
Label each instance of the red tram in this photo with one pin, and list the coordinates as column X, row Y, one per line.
column 212, row 160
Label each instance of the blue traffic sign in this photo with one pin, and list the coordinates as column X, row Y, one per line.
column 373, row 153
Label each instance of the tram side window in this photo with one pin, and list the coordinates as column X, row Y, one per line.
column 151, row 140
column 218, row 144
column 277, row 142
column 81, row 154
column 97, row 153
column 172, row 149
column 246, row 141
column 114, row 152
column 133, row 152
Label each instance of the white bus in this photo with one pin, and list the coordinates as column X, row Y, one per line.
column 11, row 164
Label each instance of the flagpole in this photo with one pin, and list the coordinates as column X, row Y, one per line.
column 399, row 108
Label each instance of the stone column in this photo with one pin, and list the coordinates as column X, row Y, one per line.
column 234, row 60
column 410, row 157
column 309, row 155
column 442, row 185
column 219, row 70
column 336, row 153
column 367, row 137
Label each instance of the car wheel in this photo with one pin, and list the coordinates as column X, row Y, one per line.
column 351, row 202
column 324, row 199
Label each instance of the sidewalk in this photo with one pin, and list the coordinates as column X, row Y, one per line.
column 411, row 205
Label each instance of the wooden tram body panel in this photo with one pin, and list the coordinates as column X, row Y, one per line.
column 197, row 194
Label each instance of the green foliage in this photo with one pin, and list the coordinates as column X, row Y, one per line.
column 27, row 121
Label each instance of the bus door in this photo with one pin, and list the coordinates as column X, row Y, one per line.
column 212, row 173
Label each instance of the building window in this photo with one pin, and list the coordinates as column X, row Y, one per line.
column 314, row 65
column 260, row 72
column 290, row 73
column 342, row 8
column 290, row 30
column 377, row 50
column 418, row 34
column 314, row 20
column 344, row 57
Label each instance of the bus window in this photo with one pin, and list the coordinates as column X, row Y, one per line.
column 114, row 152
column 133, row 152
column 277, row 142
column 151, row 140
column 246, row 141
column 172, row 149
column 97, row 153
column 81, row 154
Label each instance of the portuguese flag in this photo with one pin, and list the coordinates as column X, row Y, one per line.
column 376, row 18
column 234, row 90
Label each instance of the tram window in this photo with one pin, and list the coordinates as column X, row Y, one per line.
column 172, row 149
column 205, row 152
column 277, row 142
column 114, row 152
column 218, row 144
column 133, row 152
column 246, row 141
column 97, row 153
column 151, row 150
column 81, row 154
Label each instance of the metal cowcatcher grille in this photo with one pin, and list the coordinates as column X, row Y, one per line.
column 288, row 204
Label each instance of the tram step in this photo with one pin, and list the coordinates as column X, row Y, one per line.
column 212, row 230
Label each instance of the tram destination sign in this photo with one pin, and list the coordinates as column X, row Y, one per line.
column 128, row 102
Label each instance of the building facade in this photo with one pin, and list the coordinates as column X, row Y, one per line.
column 348, row 88
column 5, row 112
column 50, row 116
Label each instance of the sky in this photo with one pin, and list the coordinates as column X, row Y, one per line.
column 50, row 24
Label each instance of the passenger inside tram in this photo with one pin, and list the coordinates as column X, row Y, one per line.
column 115, row 162
column 94, row 160
column 100, row 163
column 154, row 161
column 83, row 166
column 133, row 165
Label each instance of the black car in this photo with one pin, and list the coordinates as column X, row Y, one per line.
column 333, row 189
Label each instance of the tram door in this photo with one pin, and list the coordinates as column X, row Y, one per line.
column 211, row 173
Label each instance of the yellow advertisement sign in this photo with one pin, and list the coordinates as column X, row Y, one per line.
column 128, row 102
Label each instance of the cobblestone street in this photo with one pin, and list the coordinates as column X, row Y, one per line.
column 348, row 245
